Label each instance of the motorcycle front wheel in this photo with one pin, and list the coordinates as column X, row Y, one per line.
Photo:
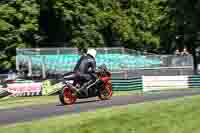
column 106, row 92
column 66, row 96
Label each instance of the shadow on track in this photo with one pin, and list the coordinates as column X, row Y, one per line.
column 89, row 101
column 80, row 102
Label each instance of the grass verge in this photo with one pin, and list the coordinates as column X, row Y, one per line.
column 26, row 101
column 171, row 116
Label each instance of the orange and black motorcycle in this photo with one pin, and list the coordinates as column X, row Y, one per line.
column 101, row 87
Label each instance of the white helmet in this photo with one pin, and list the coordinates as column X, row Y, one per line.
column 92, row 52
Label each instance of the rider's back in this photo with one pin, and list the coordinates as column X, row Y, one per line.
column 84, row 63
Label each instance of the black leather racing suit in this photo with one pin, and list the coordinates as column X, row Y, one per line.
column 84, row 70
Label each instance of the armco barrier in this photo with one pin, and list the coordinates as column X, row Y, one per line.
column 144, row 83
column 127, row 84
column 164, row 82
column 194, row 81
column 49, row 88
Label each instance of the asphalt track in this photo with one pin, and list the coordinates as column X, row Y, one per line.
column 29, row 113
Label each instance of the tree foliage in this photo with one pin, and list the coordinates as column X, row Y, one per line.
column 18, row 24
column 107, row 22
column 187, row 25
column 136, row 24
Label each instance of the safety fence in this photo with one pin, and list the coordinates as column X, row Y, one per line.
column 45, row 62
column 143, row 83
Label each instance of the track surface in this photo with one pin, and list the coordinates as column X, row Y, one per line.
column 28, row 113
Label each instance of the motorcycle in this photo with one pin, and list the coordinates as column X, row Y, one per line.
column 101, row 87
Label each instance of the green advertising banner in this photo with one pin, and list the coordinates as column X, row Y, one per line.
column 48, row 88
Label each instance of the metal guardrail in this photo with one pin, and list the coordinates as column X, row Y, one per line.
column 129, row 84
column 3, row 76
column 194, row 81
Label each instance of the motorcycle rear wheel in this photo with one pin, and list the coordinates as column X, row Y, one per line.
column 66, row 97
column 106, row 92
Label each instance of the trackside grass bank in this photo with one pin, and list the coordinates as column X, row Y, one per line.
column 27, row 101
column 171, row 116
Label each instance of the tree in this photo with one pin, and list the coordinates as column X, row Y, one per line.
column 18, row 26
column 99, row 23
column 187, row 25
column 134, row 24
column 146, row 17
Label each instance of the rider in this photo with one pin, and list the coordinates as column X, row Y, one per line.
column 84, row 70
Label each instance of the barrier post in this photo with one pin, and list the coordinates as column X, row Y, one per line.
column 43, row 68
column 58, row 51
column 125, row 74
column 29, row 66
column 17, row 63
column 17, row 60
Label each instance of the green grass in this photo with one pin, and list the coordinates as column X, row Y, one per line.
column 124, row 93
column 26, row 101
column 172, row 116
